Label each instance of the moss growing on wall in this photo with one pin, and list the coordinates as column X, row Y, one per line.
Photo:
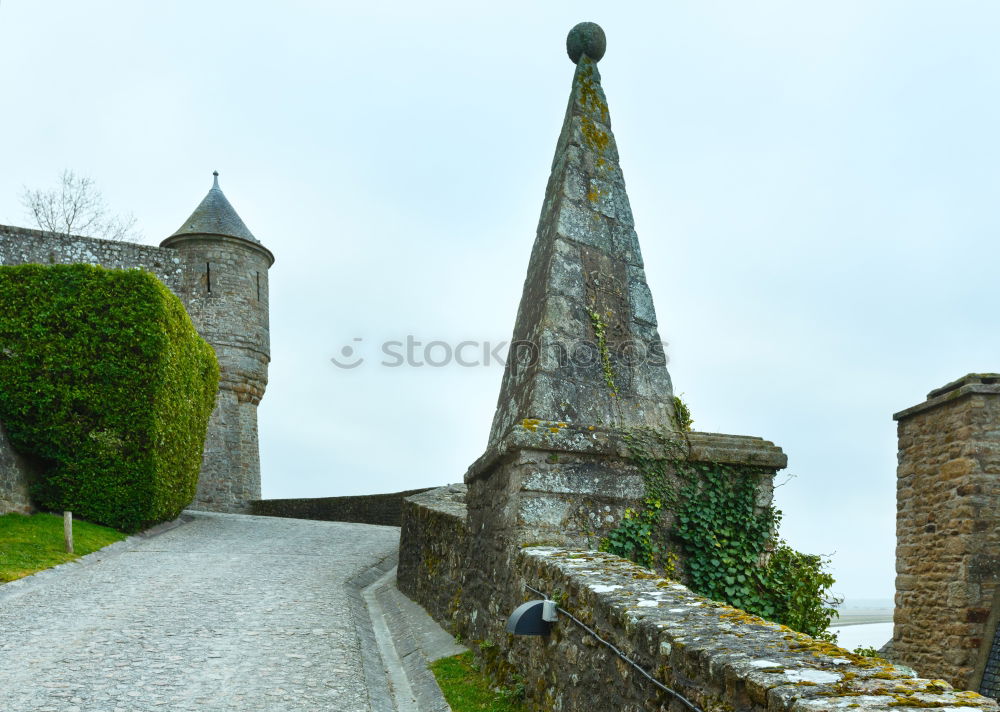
column 105, row 380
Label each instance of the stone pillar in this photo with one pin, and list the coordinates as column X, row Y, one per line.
column 948, row 530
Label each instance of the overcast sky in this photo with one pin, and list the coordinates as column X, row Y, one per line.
column 814, row 185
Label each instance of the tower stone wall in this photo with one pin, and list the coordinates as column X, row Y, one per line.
column 218, row 269
column 948, row 530
column 224, row 286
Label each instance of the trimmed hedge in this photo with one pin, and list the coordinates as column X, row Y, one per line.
column 105, row 380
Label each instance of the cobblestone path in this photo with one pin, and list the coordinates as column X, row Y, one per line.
column 226, row 612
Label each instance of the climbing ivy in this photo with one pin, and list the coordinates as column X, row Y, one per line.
column 600, row 332
column 682, row 415
column 729, row 545
column 722, row 535
column 633, row 538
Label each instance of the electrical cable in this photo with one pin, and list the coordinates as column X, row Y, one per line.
column 619, row 653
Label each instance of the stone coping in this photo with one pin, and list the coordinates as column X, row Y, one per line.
column 552, row 436
column 778, row 669
column 982, row 383
column 449, row 500
column 32, row 232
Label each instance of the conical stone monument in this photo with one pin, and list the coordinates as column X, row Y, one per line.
column 586, row 348
column 586, row 370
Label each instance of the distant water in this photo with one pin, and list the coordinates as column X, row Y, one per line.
column 866, row 603
column 873, row 635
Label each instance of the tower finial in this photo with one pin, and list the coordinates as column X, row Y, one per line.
column 587, row 38
column 215, row 180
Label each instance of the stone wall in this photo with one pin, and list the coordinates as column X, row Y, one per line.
column 717, row 657
column 15, row 474
column 385, row 509
column 570, row 486
column 948, row 529
column 434, row 554
column 19, row 245
column 225, row 289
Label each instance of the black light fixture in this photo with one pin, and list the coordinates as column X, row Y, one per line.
column 532, row 618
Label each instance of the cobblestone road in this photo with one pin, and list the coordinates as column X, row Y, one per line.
column 226, row 612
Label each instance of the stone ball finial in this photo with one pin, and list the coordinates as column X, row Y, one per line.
column 587, row 38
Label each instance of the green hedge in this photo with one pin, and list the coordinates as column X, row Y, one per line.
column 105, row 380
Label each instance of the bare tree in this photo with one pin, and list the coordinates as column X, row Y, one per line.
column 77, row 207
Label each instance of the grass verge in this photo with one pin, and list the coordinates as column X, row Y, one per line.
column 30, row 544
column 467, row 689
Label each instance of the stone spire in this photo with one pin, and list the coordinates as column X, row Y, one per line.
column 585, row 348
column 215, row 216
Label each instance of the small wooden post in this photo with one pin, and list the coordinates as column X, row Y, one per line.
column 68, row 531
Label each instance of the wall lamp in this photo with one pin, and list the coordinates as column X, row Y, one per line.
column 532, row 618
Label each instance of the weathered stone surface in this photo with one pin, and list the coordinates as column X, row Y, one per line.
column 434, row 554
column 948, row 530
column 15, row 476
column 222, row 280
column 716, row 656
column 586, row 267
column 569, row 486
column 586, row 38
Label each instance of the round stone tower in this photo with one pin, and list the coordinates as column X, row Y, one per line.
column 224, row 287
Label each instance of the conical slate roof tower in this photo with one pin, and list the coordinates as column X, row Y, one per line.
column 225, row 289
column 585, row 349
column 215, row 215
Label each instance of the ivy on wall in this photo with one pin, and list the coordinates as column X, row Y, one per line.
column 729, row 544
column 105, row 381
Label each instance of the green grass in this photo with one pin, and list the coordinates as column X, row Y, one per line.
column 30, row 544
column 467, row 689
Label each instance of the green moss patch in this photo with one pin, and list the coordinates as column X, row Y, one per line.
column 30, row 544
column 105, row 381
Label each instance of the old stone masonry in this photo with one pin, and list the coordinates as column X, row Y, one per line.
column 224, row 612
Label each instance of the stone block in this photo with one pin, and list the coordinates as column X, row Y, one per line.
column 584, row 226
column 960, row 467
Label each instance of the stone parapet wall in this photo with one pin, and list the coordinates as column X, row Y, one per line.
column 948, row 529
column 15, row 476
column 434, row 554
column 19, row 245
column 716, row 656
column 385, row 509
